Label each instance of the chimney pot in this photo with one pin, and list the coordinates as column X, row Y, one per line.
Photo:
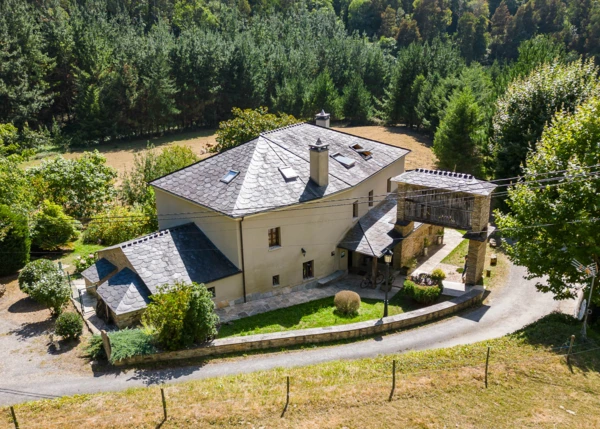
column 319, row 162
column 322, row 119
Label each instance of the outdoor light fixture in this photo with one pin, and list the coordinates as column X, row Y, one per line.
column 387, row 257
column 303, row 252
column 590, row 272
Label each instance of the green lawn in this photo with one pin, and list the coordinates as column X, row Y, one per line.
column 314, row 314
column 73, row 250
column 457, row 256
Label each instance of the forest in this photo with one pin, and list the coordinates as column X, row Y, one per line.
column 82, row 72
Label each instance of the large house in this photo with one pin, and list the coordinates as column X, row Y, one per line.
column 278, row 213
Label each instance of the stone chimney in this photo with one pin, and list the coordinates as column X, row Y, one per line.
column 322, row 119
column 319, row 162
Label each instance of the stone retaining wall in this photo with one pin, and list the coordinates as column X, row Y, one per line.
column 315, row 335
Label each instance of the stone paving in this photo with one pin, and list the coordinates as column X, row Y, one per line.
column 81, row 295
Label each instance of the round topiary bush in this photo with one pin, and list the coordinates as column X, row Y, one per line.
column 69, row 326
column 15, row 241
column 347, row 302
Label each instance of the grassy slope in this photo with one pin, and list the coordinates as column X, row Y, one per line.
column 313, row 314
column 457, row 256
column 530, row 385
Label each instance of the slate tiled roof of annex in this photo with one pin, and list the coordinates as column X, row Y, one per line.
column 375, row 232
column 99, row 270
column 182, row 253
column 446, row 180
column 124, row 292
column 260, row 185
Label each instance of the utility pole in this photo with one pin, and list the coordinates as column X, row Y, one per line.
column 590, row 272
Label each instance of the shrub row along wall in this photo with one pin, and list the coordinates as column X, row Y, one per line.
column 315, row 335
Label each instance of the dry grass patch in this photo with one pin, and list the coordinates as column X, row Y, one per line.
column 530, row 385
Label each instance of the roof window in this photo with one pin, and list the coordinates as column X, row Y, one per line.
column 365, row 153
column 344, row 160
column 288, row 173
column 231, row 174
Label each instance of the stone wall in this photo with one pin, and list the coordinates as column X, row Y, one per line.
column 413, row 244
column 315, row 335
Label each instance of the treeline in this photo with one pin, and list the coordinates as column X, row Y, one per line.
column 86, row 71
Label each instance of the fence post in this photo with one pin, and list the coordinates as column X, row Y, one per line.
column 14, row 417
column 570, row 349
column 487, row 362
column 287, row 397
column 81, row 302
column 164, row 402
column 393, row 379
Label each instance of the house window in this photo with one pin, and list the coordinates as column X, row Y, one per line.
column 274, row 237
column 355, row 209
column 212, row 291
column 276, row 280
column 308, row 270
column 389, row 185
column 370, row 198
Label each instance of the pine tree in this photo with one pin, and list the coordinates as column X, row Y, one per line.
column 357, row 101
column 460, row 137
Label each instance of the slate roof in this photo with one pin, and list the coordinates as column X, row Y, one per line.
column 182, row 253
column 446, row 180
column 124, row 292
column 374, row 232
column 260, row 185
column 98, row 271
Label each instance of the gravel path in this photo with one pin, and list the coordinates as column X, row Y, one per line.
column 507, row 309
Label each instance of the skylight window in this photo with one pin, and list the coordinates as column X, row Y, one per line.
column 344, row 160
column 288, row 173
column 231, row 174
column 365, row 153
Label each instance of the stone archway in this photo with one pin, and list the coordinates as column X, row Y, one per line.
column 445, row 199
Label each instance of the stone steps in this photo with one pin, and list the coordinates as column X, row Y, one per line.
column 331, row 278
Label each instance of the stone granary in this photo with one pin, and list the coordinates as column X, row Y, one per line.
column 446, row 199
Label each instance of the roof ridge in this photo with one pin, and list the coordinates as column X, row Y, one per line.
column 152, row 235
column 444, row 173
column 285, row 127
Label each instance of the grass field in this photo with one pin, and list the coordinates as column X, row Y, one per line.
column 530, row 386
column 314, row 314
column 120, row 155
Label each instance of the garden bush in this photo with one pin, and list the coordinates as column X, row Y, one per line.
column 124, row 344
column 33, row 273
column 46, row 284
column 421, row 294
column 15, row 241
column 116, row 225
column 180, row 315
column 347, row 302
column 82, row 263
column 69, row 326
column 438, row 275
column 52, row 227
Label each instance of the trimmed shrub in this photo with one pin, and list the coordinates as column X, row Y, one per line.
column 69, row 326
column 347, row 302
column 46, row 284
column 125, row 343
column 33, row 273
column 421, row 294
column 116, row 225
column 201, row 321
column 15, row 241
column 438, row 275
column 53, row 228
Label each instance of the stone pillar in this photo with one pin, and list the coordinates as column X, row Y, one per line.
column 475, row 262
column 481, row 213
column 374, row 268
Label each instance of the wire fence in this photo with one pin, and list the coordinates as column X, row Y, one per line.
column 275, row 397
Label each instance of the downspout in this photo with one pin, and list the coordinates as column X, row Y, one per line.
column 243, row 263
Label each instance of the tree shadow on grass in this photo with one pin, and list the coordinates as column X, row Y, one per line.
column 31, row 330
column 553, row 332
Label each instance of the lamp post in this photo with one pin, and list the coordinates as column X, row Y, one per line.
column 590, row 272
column 387, row 257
